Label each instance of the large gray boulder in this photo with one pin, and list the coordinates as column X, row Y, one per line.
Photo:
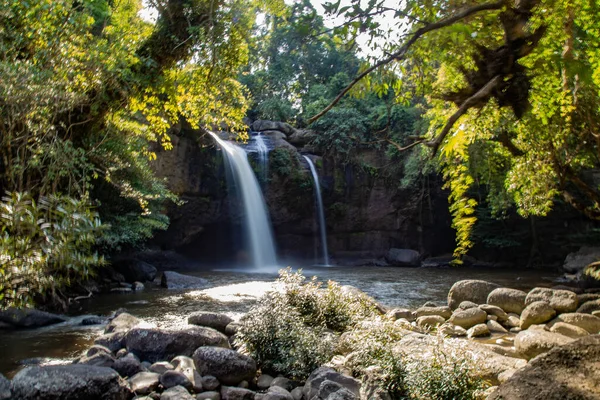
column 4, row 388
column 157, row 344
column 69, row 382
column 510, row 300
column 210, row 319
column 122, row 323
column 29, row 318
column 472, row 290
column 588, row 322
column 533, row 342
column 174, row 280
column 468, row 318
column 264, row 125
column 236, row 393
column 112, row 341
column 577, row 261
column 135, row 270
column 569, row 330
column 563, row 301
column 228, row 366
column 403, row 257
column 320, row 375
column 302, row 137
column 568, row 372
column 535, row 313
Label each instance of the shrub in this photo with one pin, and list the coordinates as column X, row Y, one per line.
column 44, row 246
column 446, row 372
column 289, row 331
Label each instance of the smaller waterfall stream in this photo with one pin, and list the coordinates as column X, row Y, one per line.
column 263, row 157
column 256, row 220
column 321, row 213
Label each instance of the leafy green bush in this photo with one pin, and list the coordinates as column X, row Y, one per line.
column 447, row 372
column 289, row 331
column 44, row 246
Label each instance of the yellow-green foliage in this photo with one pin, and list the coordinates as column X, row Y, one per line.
column 44, row 246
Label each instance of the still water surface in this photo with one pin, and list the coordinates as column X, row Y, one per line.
column 234, row 292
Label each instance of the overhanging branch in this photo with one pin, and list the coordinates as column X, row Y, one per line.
column 400, row 53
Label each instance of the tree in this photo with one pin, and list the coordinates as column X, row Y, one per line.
column 512, row 92
column 88, row 85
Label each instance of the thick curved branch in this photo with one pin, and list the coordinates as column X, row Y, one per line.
column 404, row 48
column 477, row 99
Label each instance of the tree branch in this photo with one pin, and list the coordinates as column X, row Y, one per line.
column 404, row 48
column 482, row 95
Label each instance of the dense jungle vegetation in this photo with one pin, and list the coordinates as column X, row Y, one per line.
column 501, row 97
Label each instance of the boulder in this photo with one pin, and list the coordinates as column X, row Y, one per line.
column 513, row 321
column 135, row 270
column 175, row 378
column 157, row 344
column 128, row 366
column 97, row 349
column 210, row 319
column 510, row 300
column 264, row 381
column 472, row 290
column 176, row 393
column 228, row 366
column 430, row 321
column 69, row 382
column 235, row 393
column 99, row 360
column 297, row 393
column 278, row 393
column 494, row 326
column 173, row 280
column 465, row 305
column 122, row 323
column 208, row 396
column 535, row 313
column 577, row 261
column 283, row 382
column 449, row 329
column 5, row 393
column 161, row 367
column 589, row 307
column 478, row 330
column 403, row 257
column 232, row 328
column 264, row 125
column 468, row 318
column 398, row 313
column 183, row 362
column 585, row 297
column 533, row 342
column 318, row 376
column 209, row 382
column 112, row 341
column 144, row 382
column 302, row 137
column 29, row 318
column 444, row 311
column 588, row 322
column 563, row 301
column 499, row 313
column 567, row 372
column 569, row 330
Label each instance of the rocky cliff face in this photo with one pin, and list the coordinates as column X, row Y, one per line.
column 366, row 215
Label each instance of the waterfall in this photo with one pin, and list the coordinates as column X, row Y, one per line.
column 321, row 213
column 256, row 221
column 263, row 157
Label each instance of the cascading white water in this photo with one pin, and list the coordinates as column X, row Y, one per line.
column 321, row 213
column 263, row 156
column 256, row 220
